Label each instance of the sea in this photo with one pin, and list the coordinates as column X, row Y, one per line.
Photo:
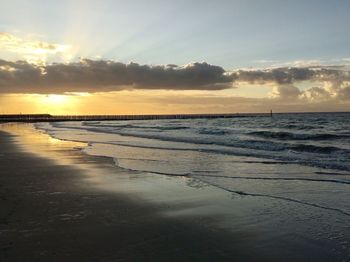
column 285, row 178
column 300, row 158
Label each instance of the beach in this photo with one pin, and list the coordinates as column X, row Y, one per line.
column 59, row 204
column 174, row 131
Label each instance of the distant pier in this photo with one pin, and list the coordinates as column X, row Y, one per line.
column 61, row 118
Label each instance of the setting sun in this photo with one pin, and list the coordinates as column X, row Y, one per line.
column 56, row 104
column 56, row 99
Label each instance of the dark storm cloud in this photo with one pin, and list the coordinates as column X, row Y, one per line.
column 278, row 75
column 290, row 75
column 99, row 76
column 334, row 82
column 103, row 76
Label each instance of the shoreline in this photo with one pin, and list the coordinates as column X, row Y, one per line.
column 61, row 204
column 50, row 212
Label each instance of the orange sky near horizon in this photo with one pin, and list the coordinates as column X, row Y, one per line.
column 147, row 102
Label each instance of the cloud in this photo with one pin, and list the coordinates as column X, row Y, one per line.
column 333, row 82
column 32, row 51
column 316, row 94
column 286, row 92
column 289, row 75
column 344, row 93
column 101, row 76
column 328, row 82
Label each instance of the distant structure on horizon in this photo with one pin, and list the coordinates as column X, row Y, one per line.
column 60, row 118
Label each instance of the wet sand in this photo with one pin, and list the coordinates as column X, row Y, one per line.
column 50, row 213
column 68, row 206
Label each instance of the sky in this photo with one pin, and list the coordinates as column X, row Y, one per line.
column 139, row 57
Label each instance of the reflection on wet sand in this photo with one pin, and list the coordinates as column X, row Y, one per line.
column 88, row 193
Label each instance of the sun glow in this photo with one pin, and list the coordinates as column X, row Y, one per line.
column 55, row 104
column 55, row 99
column 34, row 51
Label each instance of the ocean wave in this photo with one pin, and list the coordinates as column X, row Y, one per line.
column 298, row 126
column 328, row 150
column 211, row 131
column 319, row 149
column 340, row 164
column 337, row 181
column 296, row 136
column 289, row 199
column 132, row 126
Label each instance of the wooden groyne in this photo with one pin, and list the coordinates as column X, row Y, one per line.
column 61, row 118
